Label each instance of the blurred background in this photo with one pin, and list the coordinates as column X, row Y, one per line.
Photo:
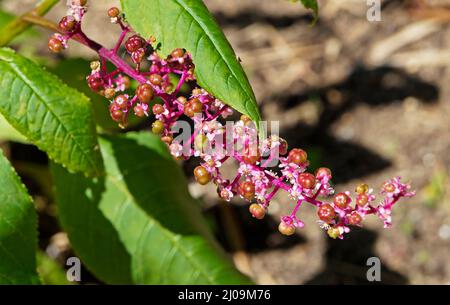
column 370, row 100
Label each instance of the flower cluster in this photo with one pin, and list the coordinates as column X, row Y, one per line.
column 258, row 177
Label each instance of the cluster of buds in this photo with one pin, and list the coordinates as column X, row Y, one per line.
column 266, row 166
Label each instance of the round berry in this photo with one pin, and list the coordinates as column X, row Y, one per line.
column 79, row 2
column 354, row 218
column 326, row 213
column 116, row 114
column 177, row 53
column 283, row 148
column 55, row 45
column 196, row 105
column 157, row 127
column 109, row 93
column 188, row 110
column 121, row 101
column 200, row 142
column 245, row 118
column 251, row 155
column 167, row 139
column 342, row 200
column 247, row 190
column 334, row 232
column 67, row 23
column 139, row 111
column 297, row 156
column 362, row 200
column 155, row 79
column 306, row 180
column 257, row 211
column 389, row 188
column 323, row 172
column 134, row 43
column 202, row 175
column 113, row 12
column 362, row 188
column 182, row 100
column 95, row 83
column 286, row 229
column 138, row 55
column 144, row 93
column 158, row 109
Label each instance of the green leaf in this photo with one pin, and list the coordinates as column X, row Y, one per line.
column 51, row 115
column 312, row 5
column 143, row 214
column 188, row 24
column 18, row 229
column 8, row 133
column 50, row 272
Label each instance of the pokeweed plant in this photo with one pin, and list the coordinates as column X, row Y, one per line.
column 122, row 199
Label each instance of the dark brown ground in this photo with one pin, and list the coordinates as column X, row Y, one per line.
column 368, row 100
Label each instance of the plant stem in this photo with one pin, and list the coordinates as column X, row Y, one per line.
column 19, row 24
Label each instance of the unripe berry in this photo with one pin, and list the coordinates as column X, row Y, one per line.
column 67, row 23
column 323, row 172
column 251, row 155
column 283, row 148
column 196, row 91
column 158, row 109
column 202, row 175
column 354, row 218
column 257, row 211
column 333, row 232
column 286, row 229
column 196, row 105
column 297, row 156
column 167, row 139
column 326, row 213
column 389, row 187
column 157, row 127
column 113, row 12
column 134, row 43
column 188, row 110
column 138, row 55
column 177, row 53
column 200, row 142
column 306, row 180
column 116, row 114
column 109, row 93
column 126, row 81
column 362, row 188
column 362, row 200
column 79, row 2
column 342, row 200
column 55, row 45
column 247, row 190
column 182, row 100
column 139, row 111
column 155, row 79
column 95, row 83
column 144, row 93
column 245, row 118
column 121, row 101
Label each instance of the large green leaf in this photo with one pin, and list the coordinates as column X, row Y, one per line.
column 8, row 133
column 18, row 230
column 188, row 24
column 58, row 119
column 139, row 222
